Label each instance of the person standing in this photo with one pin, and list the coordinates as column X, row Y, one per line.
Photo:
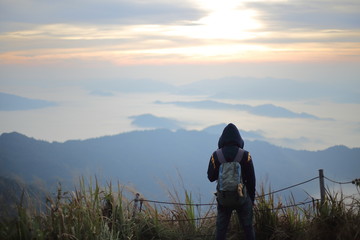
column 224, row 162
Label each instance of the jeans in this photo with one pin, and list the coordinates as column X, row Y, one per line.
column 245, row 215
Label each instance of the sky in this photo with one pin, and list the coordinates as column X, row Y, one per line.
column 285, row 70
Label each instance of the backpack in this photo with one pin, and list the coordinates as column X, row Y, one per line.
column 231, row 192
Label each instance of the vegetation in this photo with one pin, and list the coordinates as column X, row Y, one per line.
column 94, row 212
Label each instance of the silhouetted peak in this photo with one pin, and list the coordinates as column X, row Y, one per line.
column 13, row 136
column 18, row 138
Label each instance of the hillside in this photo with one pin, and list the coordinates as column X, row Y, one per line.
column 148, row 160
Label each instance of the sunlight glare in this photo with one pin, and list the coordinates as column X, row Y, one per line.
column 230, row 24
column 225, row 20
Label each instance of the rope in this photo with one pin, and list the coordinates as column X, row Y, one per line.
column 356, row 181
column 286, row 188
column 211, row 204
column 180, row 204
column 266, row 194
column 255, row 210
column 287, row 206
column 185, row 220
column 333, row 181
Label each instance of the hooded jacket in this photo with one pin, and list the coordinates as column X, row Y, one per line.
column 229, row 142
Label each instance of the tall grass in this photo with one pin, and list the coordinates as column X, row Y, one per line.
column 338, row 217
column 94, row 212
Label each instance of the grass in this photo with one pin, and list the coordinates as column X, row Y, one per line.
column 94, row 212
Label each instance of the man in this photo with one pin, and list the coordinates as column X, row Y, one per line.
column 230, row 144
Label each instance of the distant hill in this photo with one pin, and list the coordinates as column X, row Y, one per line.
column 9, row 102
column 14, row 192
column 147, row 160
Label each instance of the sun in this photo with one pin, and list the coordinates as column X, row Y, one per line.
column 229, row 24
column 224, row 20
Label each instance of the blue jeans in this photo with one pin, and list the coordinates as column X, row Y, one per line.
column 245, row 215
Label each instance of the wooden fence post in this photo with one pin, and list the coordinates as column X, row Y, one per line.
column 136, row 201
column 322, row 186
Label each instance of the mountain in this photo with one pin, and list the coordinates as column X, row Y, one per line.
column 149, row 160
column 9, row 102
column 14, row 192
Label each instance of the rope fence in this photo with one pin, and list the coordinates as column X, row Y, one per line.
column 289, row 206
column 355, row 181
column 210, row 204
column 289, row 187
column 187, row 219
column 255, row 210
column 179, row 204
column 321, row 177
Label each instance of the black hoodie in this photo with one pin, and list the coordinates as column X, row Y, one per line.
column 229, row 141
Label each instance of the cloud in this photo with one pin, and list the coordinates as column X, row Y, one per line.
column 319, row 14
column 101, row 93
column 9, row 102
column 98, row 12
column 130, row 86
column 158, row 32
column 259, row 135
column 152, row 121
column 272, row 89
column 246, row 135
column 239, row 88
column 268, row 110
column 295, row 143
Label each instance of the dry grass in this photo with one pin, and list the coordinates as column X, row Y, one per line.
column 94, row 212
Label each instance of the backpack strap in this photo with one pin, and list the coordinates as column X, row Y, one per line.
column 238, row 157
column 220, row 156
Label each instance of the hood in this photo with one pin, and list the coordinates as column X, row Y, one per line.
column 230, row 136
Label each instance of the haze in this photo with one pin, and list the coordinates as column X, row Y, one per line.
column 286, row 70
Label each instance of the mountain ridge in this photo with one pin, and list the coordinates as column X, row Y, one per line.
column 142, row 159
column 210, row 130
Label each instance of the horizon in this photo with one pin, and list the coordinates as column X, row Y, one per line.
column 285, row 71
column 249, row 137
